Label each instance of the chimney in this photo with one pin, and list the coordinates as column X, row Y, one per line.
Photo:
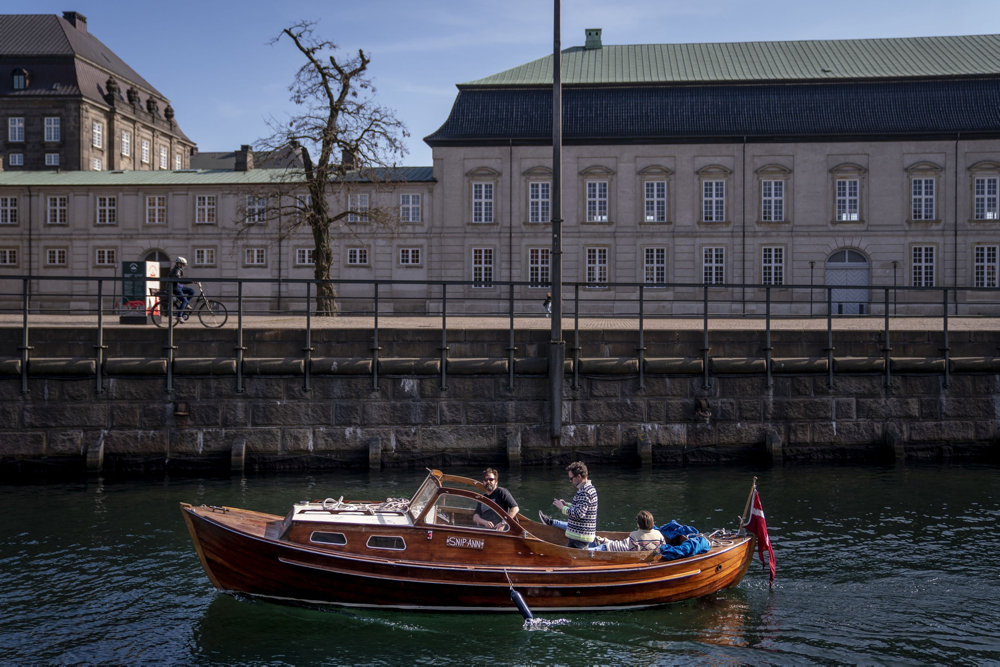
column 77, row 20
column 244, row 158
column 593, row 38
column 347, row 158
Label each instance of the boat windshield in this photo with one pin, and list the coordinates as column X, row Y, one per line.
column 422, row 497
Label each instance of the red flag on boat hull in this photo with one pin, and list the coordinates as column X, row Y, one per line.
column 758, row 526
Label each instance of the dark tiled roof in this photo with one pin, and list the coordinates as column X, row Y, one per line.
column 725, row 111
column 261, row 160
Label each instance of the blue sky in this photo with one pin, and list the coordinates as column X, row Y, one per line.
column 213, row 60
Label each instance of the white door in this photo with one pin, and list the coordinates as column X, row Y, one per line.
column 848, row 269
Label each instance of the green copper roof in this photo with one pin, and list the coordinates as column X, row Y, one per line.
column 890, row 58
column 184, row 177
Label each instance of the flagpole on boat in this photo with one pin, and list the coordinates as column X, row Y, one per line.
column 746, row 508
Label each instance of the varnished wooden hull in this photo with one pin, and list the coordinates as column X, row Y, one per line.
column 245, row 552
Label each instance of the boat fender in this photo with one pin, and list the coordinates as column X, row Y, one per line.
column 522, row 606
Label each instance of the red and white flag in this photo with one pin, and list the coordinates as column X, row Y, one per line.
column 758, row 526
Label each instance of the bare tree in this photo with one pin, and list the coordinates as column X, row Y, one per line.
column 346, row 140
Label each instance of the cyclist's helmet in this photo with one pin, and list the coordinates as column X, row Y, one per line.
column 180, row 261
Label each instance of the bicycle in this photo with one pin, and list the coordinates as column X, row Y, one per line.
column 211, row 313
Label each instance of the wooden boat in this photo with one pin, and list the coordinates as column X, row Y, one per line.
column 425, row 553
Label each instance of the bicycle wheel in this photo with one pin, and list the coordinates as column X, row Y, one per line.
column 213, row 313
column 156, row 315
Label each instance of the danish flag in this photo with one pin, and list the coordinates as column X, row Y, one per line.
column 758, row 526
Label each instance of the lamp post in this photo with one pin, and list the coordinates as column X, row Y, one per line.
column 557, row 346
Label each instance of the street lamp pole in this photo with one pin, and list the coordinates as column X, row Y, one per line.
column 557, row 346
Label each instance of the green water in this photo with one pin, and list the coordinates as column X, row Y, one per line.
column 881, row 565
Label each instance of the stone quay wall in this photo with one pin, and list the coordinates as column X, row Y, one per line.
column 133, row 401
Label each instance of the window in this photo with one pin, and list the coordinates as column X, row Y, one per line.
column 53, row 130
column 772, row 265
column 922, row 191
column 985, row 265
column 655, row 201
column 56, row 210
column 985, row 204
column 156, row 209
column 256, row 210
column 8, row 256
column 357, row 256
column 126, row 143
column 105, row 257
column 145, row 151
column 52, row 159
column 597, row 266
column 15, row 159
column 163, row 157
column 107, row 210
column 304, row 256
column 96, row 164
column 482, row 203
column 923, row 266
column 772, row 201
column 539, row 201
column 178, row 162
column 97, row 134
column 482, row 267
column 409, row 208
column 204, row 210
column 255, row 256
column 539, row 263
column 409, row 257
column 357, row 206
column 597, row 201
column 8, row 210
column 847, row 199
column 204, row 256
column 15, row 129
column 328, row 538
column 713, row 201
column 19, row 79
column 55, row 256
column 654, row 264
column 713, row 266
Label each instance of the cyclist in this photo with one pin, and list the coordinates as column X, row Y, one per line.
column 181, row 290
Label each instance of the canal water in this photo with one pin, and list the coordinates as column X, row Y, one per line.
column 887, row 565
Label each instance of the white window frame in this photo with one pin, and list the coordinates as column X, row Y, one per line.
column 126, row 143
column 107, row 210
column 255, row 256
column 15, row 160
column 96, row 164
column 772, row 200
column 923, row 198
column 713, row 200
column 358, row 207
column 357, row 256
column 97, row 134
column 539, row 202
column 105, row 257
column 713, row 265
column 15, row 129
column 986, row 197
column 596, row 266
column 52, row 159
column 8, row 256
column 654, row 265
column 482, row 267
column 178, row 162
column 53, row 129
column 986, row 265
column 255, row 210
column 305, row 256
column 8, row 210
column 57, row 210
column 205, row 209
column 156, row 210
column 56, row 257
column 923, row 267
column 204, row 256
column 540, row 266
column 772, row 265
column 145, row 148
column 163, row 157
column 411, row 207
column 411, row 256
column 597, row 201
column 848, row 199
column 654, row 200
column 483, row 202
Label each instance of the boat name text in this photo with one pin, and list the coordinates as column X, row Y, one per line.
column 466, row 542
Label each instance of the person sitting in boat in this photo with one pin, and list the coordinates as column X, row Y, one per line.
column 485, row 516
column 645, row 538
column 581, row 513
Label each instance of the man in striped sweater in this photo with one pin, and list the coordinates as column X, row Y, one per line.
column 581, row 513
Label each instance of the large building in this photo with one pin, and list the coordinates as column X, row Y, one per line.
column 68, row 102
column 788, row 165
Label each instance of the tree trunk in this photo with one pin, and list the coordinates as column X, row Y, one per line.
column 326, row 291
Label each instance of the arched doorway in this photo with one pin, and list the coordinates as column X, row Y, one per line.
column 848, row 269
column 157, row 256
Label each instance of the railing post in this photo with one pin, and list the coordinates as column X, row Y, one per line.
column 240, row 347
column 576, row 336
column 704, row 344
column 767, row 336
column 510, row 339
column 25, row 348
column 641, row 350
column 100, row 347
column 376, row 348
column 171, row 348
column 887, row 348
column 947, row 345
column 308, row 349
column 444, row 336
column 829, row 337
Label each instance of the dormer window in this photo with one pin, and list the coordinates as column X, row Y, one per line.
column 19, row 79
